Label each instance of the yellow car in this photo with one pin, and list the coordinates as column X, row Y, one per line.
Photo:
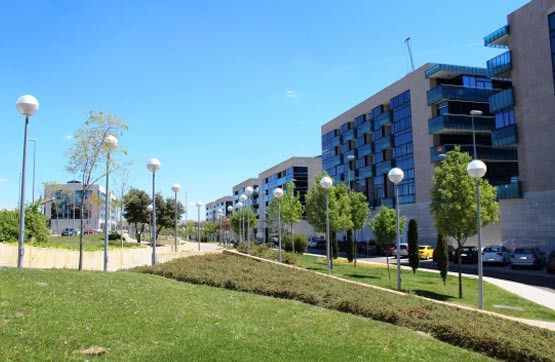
column 425, row 252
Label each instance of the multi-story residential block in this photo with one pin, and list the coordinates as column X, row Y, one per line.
column 63, row 207
column 301, row 171
column 239, row 189
column 220, row 204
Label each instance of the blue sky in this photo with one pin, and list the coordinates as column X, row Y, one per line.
column 218, row 91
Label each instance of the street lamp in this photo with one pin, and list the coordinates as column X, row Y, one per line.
column 27, row 105
column 220, row 213
column 175, row 188
column 474, row 113
column 34, row 140
column 199, row 205
column 110, row 144
column 278, row 193
column 326, row 182
column 240, row 207
column 243, row 198
column 396, row 175
column 249, row 190
column 477, row 169
column 153, row 165
column 229, row 210
column 149, row 208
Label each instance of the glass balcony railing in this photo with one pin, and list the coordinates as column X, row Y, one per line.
column 448, row 123
column 382, row 144
column 458, row 93
column 383, row 167
column 364, row 128
column 502, row 100
column 387, row 203
column 348, row 135
column 484, row 153
column 509, row 191
column 449, row 71
column 506, row 136
column 365, row 172
column 348, row 153
column 498, row 39
column 365, row 150
column 334, row 142
column 331, row 162
column 500, row 66
column 382, row 119
column 349, row 176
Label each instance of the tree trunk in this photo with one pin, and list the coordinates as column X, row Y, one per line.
column 292, row 239
column 137, row 233
column 387, row 259
column 459, row 262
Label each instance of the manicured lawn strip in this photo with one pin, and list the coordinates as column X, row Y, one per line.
column 90, row 243
column 49, row 314
column 430, row 285
column 482, row 333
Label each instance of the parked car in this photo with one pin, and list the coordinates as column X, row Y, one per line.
column 68, row 232
column 496, row 254
column 450, row 252
column 426, row 252
column 403, row 250
column 386, row 249
column 533, row 257
column 550, row 266
column 367, row 247
column 469, row 254
column 316, row 242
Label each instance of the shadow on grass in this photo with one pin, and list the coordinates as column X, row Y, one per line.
column 361, row 276
column 432, row 295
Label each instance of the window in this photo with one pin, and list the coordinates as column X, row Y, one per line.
column 476, row 82
column 505, row 118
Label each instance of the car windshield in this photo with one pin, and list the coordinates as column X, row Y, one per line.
column 552, row 254
column 492, row 250
column 524, row 251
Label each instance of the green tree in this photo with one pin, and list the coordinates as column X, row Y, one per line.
column 453, row 205
column 359, row 214
column 88, row 153
column 135, row 204
column 384, row 227
column 442, row 255
column 35, row 225
column 291, row 208
column 165, row 213
column 236, row 220
column 412, row 237
column 339, row 210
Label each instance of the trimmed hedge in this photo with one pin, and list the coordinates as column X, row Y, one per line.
column 301, row 243
column 35, row 226
column 263, row 251
column 495, row 337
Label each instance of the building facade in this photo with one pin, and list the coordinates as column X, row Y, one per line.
column 220, row 204
column 299, row 170
column 239, row 189
column 63, row 207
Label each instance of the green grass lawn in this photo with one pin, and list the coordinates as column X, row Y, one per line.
column 90, row 242
column 49, row 315
column 430, row 285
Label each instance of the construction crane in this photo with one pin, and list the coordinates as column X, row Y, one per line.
column 407, row 41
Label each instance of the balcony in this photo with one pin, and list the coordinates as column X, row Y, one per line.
column 365, row 150
column 334, row 142
column 364, row 128
column 448, row 71
column 383, row 144
column 458, row 93
column 498, row 39
column 484, row 153
column 365, row 172
column 348, row 135
column 502, row 100
column 509, row 191
column 449, row 123
column 348, row 153
column 384, row 167
column 504, row 137
column 331, row 162
column 383, row 119
column 500, row 66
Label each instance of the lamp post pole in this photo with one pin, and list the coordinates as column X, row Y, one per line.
column 149, row 208
column 199, row 204
column 153, row 166
column 326, row 182
column 176, row 188
column 229, row 210
column 249, row 190
column 244, row 198
column 396, row 175
column 34, row 140
column 110, row 144
column 240, row 207
column 278, row 193
column 27, row 105
column 349, row 159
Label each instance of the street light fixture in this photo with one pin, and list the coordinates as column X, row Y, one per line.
column 149, row 208
column 474, row 113
column 326, row 182
column 153, row 165
column 176, row 188
column 220, row 213
column 27, row 105
column 229, row 210
column 477, row 169
column 240, row 207
column 243, row 198
column 396, row 175
column 249, row 190
column 110, row 144
column 199, row 205
column 278, row 193
column 34, row 140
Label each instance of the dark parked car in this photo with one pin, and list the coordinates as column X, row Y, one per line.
column 68, row 232
column 550, row 266
column 367, row 247
column 451, row 252
column 469, row 254
column 386, row 249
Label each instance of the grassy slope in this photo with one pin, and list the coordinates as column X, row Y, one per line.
column 46, row 315
column 430, row 285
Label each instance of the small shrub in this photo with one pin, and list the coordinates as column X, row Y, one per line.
column 9, row 229
column 114, row 236
column 35, row 226
column 301, row 243
column 263, row 251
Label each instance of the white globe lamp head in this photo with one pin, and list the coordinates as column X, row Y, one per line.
column 176, row 187
column 475, row 112
column 396, row 175
column 476, row 169
column 278, row 192
column 110, row 143
column 239, row 205
column 326, row 182
column 153, row 165
column 243, row 198
column 230, row 208
column 27, row 105
column 149, row 208
column 249, row 190
column 199, row 204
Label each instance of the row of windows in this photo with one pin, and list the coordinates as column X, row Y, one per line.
column 402, row 124
column 378, row 157
column 402, row 150
column 404, row 137
column 359, row 120
column 376, row 111
column 377, row 135
column 401, row 112
column 400, row 100
column 405, row 163
column 476, row 82
column 328, row 136
column 505, row 118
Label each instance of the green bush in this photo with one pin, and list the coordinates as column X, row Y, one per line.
column 493, row 336
column 301, row 243
column 9, row 225
column 263, row 251
column 35, row 226
column 114, row 236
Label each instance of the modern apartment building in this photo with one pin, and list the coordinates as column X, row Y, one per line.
column 239, row 189
column 301, row 171
column 63, row 208
column 220, row 204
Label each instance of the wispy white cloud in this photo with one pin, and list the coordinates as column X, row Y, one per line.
column 3, row 180
column 291, row 93
column 69, row 137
